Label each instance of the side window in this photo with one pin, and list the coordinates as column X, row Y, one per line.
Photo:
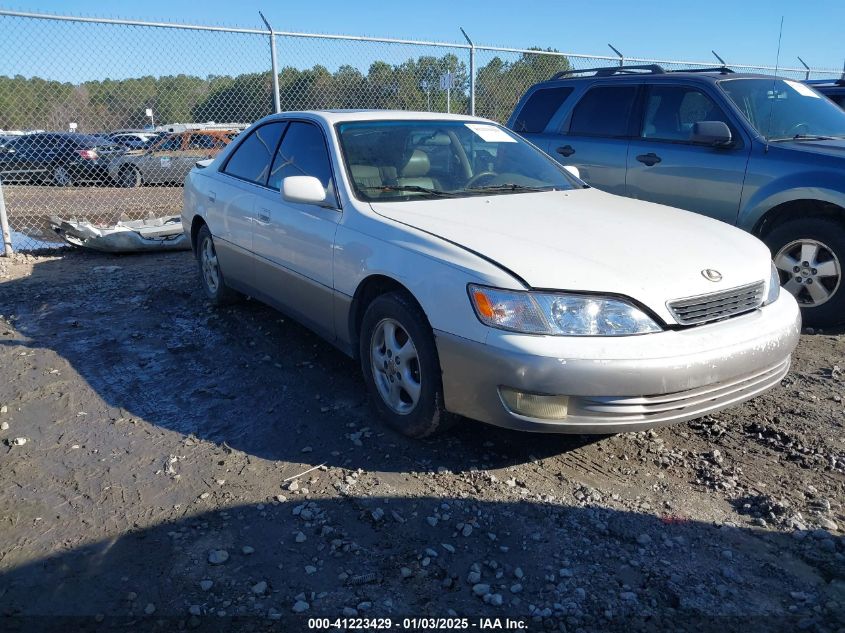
column 170, row 144
column 539, row 109
column 201, row 141
column 604, row 111
column 251, row 159
column 303, row 153
column 671, row 112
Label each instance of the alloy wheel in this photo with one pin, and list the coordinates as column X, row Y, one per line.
column 809, row 270
column 61, row 177
column 396, row 366
column 210, row 267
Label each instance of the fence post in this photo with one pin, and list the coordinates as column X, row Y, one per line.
column 804, row 64
column 4, row 225
column 277, row 102
column 621, row 56
column 471, row 73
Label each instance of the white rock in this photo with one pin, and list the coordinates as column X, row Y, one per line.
column 205, row 585
column 481, row 589
column 246, row 549
column 300, row 606
column 150, row 609
column 4, row 426
column 218, row 556
column 259, row 588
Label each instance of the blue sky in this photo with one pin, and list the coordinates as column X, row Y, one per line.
column 742, row 32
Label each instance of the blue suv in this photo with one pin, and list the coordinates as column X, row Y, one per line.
column 760, row 152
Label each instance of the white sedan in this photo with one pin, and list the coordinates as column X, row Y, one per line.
column 472, row 275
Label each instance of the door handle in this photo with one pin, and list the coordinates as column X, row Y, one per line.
column 212, row 196
column 264, row 215
column 649, row 159
column 566, row 150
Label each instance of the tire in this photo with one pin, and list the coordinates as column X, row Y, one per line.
column 392, row 381
column 818, row 287
column 61, row 177
column 129, row 177
column 211, row 277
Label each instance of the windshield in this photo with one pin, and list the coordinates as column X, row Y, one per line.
column 409, row 160
column 781, row 109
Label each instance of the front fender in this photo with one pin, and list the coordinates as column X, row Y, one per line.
column 821, row 185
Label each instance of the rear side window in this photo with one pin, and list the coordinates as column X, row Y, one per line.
column 604, row 111
column 303, row 153
column 251, row 159
column 539, row 109
column 201, row 141
column 172, row 143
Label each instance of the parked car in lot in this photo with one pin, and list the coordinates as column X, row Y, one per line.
column 763, row 153
column 833, row 89
column 60, row 159
column 169, row 159
column 134, row 140
column 470, row 273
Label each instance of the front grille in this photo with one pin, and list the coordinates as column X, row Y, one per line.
column 718, row 305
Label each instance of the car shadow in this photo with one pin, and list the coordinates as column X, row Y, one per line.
column 550, row 566
column 138, row 331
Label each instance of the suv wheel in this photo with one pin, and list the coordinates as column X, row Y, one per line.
column 129, row 177
column 401, row 368
column 809, row 255
column 211, row 277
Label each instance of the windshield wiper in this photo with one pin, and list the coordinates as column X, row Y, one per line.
column 511, row 186
column 414, row 188
column 805, row 137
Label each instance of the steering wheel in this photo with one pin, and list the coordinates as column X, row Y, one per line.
column 796, row 127
column 475, row 179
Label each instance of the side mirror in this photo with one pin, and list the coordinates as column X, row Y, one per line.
column 305, row 189
column 572, row 169
column 715, row 133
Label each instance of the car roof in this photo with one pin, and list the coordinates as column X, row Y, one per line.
column 338, row 116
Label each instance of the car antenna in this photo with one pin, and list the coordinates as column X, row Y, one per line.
column 774, row 87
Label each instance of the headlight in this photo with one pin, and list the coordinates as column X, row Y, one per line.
column 774, row 286
column 558, row 314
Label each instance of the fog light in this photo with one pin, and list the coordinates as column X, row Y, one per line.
column 534, row 405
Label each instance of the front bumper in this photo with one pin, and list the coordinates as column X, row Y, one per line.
column 625, row 383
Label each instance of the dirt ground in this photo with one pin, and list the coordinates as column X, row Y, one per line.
column 188, row 467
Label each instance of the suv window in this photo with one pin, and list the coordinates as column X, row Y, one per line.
column 604, row 111
column 251, row 159
column 303, row 153
column 201, row 141
column 171, row 143
column 671, row 112
column 539, row 109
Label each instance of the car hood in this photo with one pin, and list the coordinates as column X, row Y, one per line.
column 833, row 147
column 588, row 240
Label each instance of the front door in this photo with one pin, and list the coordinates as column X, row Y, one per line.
column 664, row 166
column 294, row 242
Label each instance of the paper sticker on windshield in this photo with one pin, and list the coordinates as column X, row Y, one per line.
column 490, row 133
column 801, row 89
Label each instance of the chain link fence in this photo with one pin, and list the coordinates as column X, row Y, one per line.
column 101, row 119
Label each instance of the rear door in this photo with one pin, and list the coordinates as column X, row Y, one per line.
column 294, row 242
column 156, row 165
column 233, row 194
column 664, row 166
column 537, row 111
column 595, row 135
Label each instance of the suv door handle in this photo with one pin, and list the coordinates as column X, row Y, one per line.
column 649, row 159
column 212, row 196
column 566, row 150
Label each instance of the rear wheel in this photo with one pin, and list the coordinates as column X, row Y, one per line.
column 129, row 177
column 809, row 255
column 211, row 277
column 400, row 365
column 61, row 177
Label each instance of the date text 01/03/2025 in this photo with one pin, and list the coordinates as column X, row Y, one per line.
column 481, row 624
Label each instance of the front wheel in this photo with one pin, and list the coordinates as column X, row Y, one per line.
column 129, row 177
column 400, row 365
column 809, row 255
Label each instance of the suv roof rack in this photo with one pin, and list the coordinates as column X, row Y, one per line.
column 821, row 82
column 641, row 69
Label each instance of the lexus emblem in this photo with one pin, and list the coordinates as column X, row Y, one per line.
column 711, row 275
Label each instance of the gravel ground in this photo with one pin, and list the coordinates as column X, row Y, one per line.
column 187, row 467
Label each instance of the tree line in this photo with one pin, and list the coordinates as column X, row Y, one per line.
column 35, row 103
